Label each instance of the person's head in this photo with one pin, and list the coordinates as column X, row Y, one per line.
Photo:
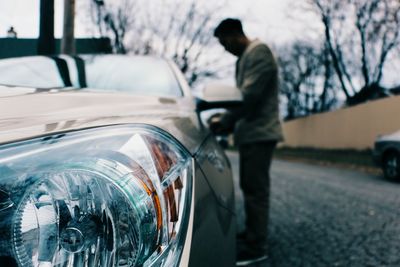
column 231, row 36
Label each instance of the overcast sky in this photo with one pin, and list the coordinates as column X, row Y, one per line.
column 272, row 20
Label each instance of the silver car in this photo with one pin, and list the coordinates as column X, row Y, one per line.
column 386, row 154
column 104, row 162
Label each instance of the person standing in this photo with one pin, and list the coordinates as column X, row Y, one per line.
column 257, row 130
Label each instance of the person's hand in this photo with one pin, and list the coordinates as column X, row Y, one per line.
column 214, row 123
column 216, row 127
column 214, row 118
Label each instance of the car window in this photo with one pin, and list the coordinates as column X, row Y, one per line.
column 111, row 73
column 38, row 72
column 139, row 75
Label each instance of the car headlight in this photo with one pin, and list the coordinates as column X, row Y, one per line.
column 111, row 196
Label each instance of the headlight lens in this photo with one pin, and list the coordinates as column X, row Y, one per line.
column 114, row 196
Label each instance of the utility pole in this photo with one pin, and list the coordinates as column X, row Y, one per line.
column 68, row 39
column 46, row 43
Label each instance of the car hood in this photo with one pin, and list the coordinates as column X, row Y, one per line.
column 27, row 113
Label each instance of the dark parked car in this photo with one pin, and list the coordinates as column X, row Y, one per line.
column 105, row 162
column 387, row 155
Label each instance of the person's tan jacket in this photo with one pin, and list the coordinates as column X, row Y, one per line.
column 257, row 78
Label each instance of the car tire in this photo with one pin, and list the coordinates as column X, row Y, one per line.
column 391, row 166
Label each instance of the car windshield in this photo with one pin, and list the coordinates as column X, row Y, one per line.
column 111, row 73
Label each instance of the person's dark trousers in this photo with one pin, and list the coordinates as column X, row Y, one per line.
column 255, row 162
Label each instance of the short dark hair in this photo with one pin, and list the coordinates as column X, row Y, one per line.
column 229, row 26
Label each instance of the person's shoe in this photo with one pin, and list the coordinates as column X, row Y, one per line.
column 246, row 257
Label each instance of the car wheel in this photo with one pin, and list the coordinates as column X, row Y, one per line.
column 390, row 166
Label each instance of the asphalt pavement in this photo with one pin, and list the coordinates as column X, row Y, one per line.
column 326, row 216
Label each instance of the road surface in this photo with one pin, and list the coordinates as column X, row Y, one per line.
column 324, row 216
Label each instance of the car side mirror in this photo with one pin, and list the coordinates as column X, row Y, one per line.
column 219, row 96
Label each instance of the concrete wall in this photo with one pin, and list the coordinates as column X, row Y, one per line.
column 348, row 128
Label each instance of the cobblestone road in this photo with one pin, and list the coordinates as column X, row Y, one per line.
column 329, row 217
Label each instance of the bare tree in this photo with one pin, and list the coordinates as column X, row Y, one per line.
column 178, row 30
column 359, row 36
column 304, row 71
column 378, row 25
column 115, row 19
column 186, row 36
column 332, row 15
